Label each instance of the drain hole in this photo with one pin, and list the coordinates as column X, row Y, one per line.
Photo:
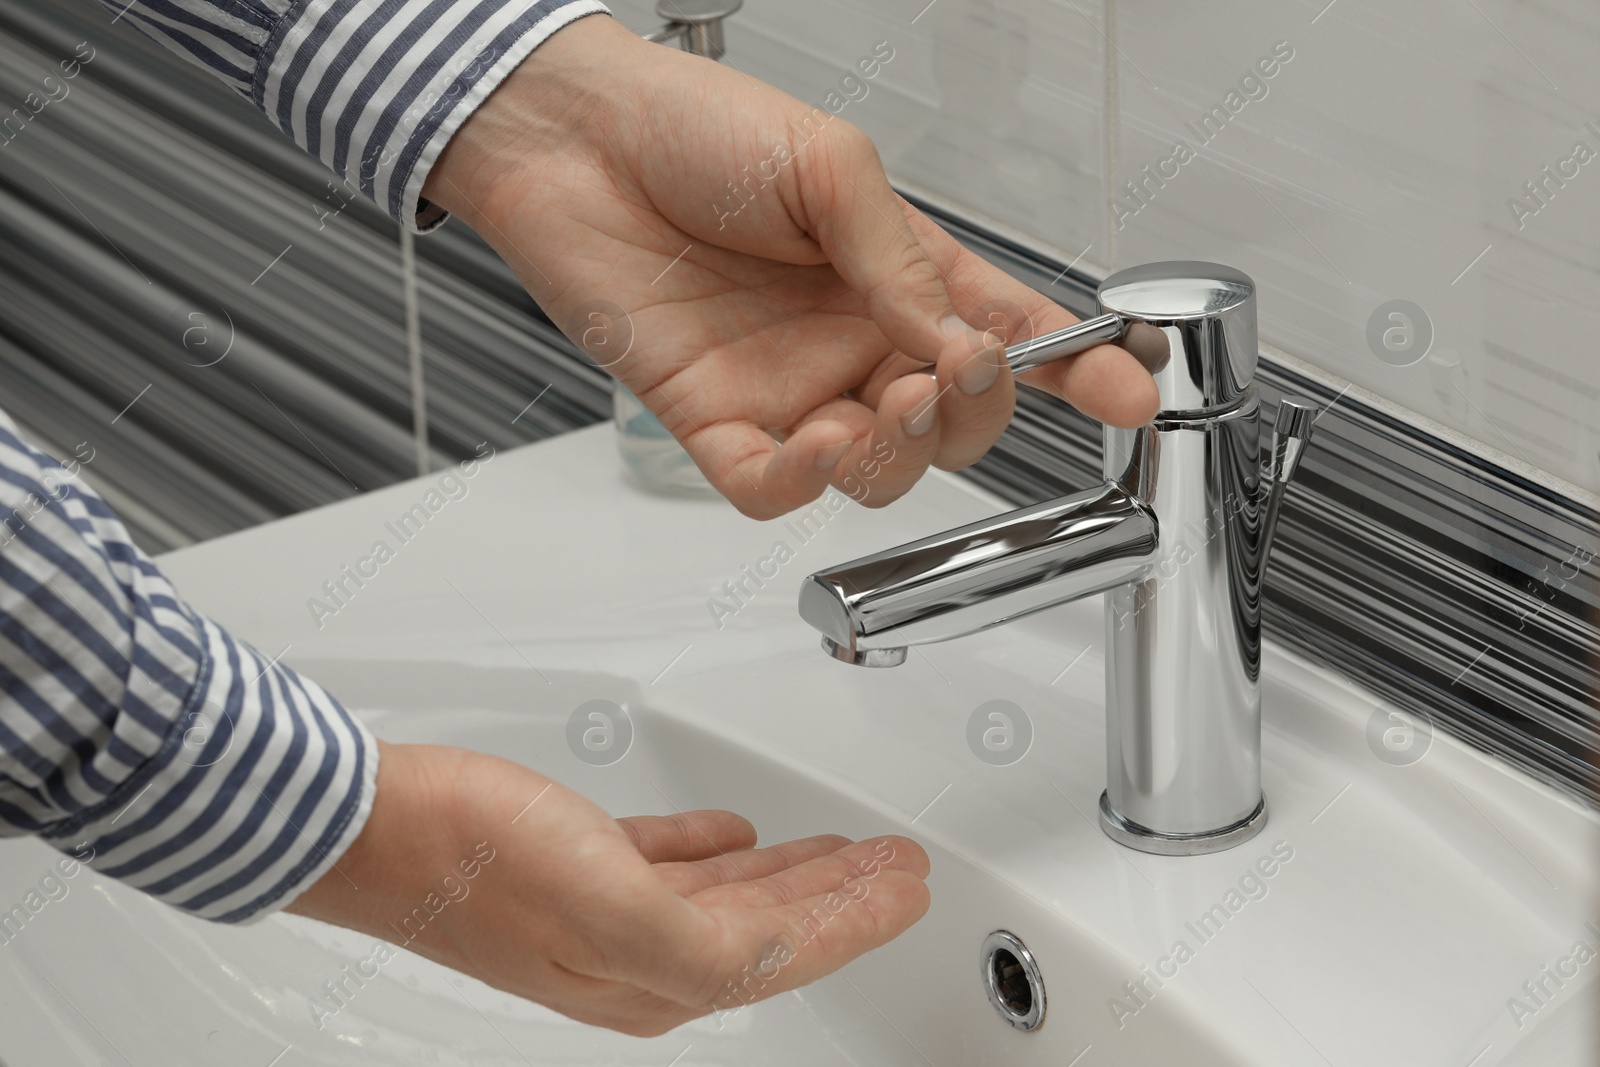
column 1011, row 983
column 1011, row 979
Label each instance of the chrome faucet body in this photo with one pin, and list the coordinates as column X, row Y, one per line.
column 1176, row 537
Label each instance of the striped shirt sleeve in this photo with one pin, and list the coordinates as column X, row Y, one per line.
column 140, row 737
column 373, row 88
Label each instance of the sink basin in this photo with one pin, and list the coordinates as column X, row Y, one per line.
column 1391, row 911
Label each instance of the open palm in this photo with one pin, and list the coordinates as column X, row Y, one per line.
column 637, row 924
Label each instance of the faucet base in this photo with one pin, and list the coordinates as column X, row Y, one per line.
column 1134, row 836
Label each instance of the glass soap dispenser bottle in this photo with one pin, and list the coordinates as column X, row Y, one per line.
column 650, row 454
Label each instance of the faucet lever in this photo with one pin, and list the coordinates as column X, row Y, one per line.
column 1291, row 432
column 1058, row 344
column 1147, row 344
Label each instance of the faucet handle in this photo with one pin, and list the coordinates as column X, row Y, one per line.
column 1059, row 344
column 1144, row 342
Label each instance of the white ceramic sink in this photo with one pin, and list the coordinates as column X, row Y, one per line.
column 1414, row 903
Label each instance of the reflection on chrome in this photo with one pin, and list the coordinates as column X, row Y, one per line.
column 1177, row 537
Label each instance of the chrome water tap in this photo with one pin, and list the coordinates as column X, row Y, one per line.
column 1176, row 537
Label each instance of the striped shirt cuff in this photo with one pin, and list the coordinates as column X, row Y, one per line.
column 262, row 784
column 377, row 89
column 140, row 737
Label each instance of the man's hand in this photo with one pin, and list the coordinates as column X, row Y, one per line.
column 635, row 924
column 780, row 297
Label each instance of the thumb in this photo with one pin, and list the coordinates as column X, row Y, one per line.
column 860, row 224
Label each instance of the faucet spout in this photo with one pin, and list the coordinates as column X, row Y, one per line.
column 981, row 575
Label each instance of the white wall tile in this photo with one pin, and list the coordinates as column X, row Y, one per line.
column 1376, row 166
column 996, row 105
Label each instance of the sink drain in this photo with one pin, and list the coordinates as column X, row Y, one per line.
column 1012, row 980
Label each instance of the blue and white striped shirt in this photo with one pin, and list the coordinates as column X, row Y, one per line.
column 373, row 88
column 135, row 734
column 139, row 735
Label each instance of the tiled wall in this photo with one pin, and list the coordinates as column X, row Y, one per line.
column 1357, row 153
column 185, row 294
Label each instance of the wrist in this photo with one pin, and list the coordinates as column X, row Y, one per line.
column 550, row 114
column 410, row 837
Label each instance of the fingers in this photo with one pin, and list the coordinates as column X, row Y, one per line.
column 838, row 868
column 858, row 221
column 839, row 442
column 907, row 420
column 688, row 836
column 748, row 866
column 763, row 951
column 816, row 936
column 976, row 397
column 828, row 909
column 1105, row 383
column 975, row 388
column 760, row 477
column 894, row 445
